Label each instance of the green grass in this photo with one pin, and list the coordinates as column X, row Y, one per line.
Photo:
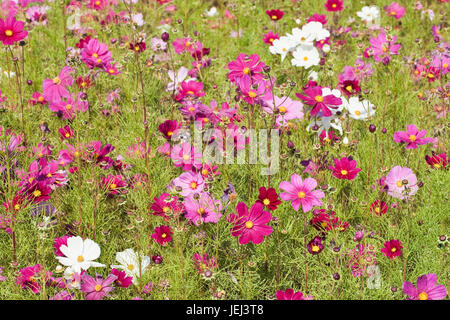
column 417, row 223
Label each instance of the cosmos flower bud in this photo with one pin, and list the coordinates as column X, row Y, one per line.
column 384, row 130
column 165, row 37
column 372, row 128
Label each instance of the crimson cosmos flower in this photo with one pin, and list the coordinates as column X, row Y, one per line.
column 345, row 168
column 275, row 14
column 269, row 198
column 392, row 249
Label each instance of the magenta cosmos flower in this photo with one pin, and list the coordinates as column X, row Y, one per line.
column 412, row 137
column 275, row 14
column 186, row 156
column 270, row 37
column 246, row 65
column 189, row 183
column 314, row 97
column 162, row 235
column 11, row 31
column 334, row 5
column 345, row 168
column 395, row 10
column 301, row 192
column 250, row 226
column 95, row 54
column 98, row 288
column 426, row 288
column 401, row 182
column 383, row 47
column 289, row 294
column 55, row 89
column 392, row 249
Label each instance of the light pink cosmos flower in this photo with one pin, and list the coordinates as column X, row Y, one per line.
column 412, row 137
column 250, row 226
column 401, row 182
column 186, row 156
column 301, row 192
column 67, row 108
column 95, row 54
column 189, row 183
column 98, row 288
column 202, row 210
column 287, row 108
column 395, row 10
column 55, row 89
column 426, row 288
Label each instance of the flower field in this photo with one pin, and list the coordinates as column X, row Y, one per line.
column 224, row 150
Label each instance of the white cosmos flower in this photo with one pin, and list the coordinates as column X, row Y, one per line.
column 301, row 37
column 325, row 123
column 359, row 110
column 316, row 30
column 369, row 14
column 80, row 254
column 176, row 79
column 211, row 12
column 281, row 46
column 313, row 75
column 129, row 262
column 305, row 57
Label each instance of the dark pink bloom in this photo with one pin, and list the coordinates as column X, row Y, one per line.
column 250, row 226
column 114, row 184
column 162, row 235
column 203, row 262
column 168, row 128
column 334, row 5
column 37, row 98
column 165, row 205
column 437, row 161
column 345, row 168
column 301, row 192
column 275, row 14
column 392, row 249
column 121, row 278
column 426, row 288
column 412, row 137
column 270, row 37
column 314, row 97
column 253, row 92
column 289, row 294
column 95, row 54
column 68, row 107
column 315, row 246
column 65, row 133
column 58, row 243
column 11, row 31
column 395, row 10
column 98, row 288
column 383, row 47
column 32, row 277
column 191, row 89
column 319, row 18
column 378, row 207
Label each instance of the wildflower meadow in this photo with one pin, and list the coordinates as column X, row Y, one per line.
column 224, row 150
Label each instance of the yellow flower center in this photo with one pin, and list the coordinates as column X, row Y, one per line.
column 266, row 202
column 164, row 236
column 17, row 207
column 186, row 157
column 252, row 94
column 69, row 106
column 98, row 287
column 113, row 186
column 358, row 113
column 187, row 44
column 305, row 58
column 200, row 211
column 399, row 183
column 8, row 33
column 437, row 165
column 56, row 80
column 166, row 209
column 37, row 193
column 249, row 224
column 334, row 5
column 246, row 70
column 319, row 98
column 193, row 185
column 41, row 98
column 393, row 249
column 130, row 267
column 112, row 71
column 315, row 248
column 349, row 88
column 204, row 172
column 301, row 194
column 412, row 138
column 170, row 133
column 392, row 13
column 377, row 209
column 95, row 55
column 67, row 135
column 384, row 49
column 423, row 296
column 80, row 259
column 344, row 172
column 97, row 3
column 274, row 17
column 282, row 109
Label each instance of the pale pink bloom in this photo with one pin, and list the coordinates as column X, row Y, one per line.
column 301, row 192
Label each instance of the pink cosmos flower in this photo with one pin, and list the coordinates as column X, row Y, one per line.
column 275, row 14
column 165, row 204
column 253, row 92
column 11, row 31
column 392, row 249
column 65, row 133
column 426, row 288
column 184, row 44
column 114, row 184
column 190, row 89
column 186, row 156
column 251, row 66
column 189, row 183
column 68, row 107
column 383, row 47
column 319, row 18
column 395, row 10
column 412, row 137
column 314, row 97
column 401, row 182
column 202, row 210
column 95, row 54
column 301, row 192
column 55, row 89
column 289, row 294
column 250, row 226
column 121, row 278
column 98, row 288
column 287, row 109
column 31, row 278
column 345, row 168
column 270, row 37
